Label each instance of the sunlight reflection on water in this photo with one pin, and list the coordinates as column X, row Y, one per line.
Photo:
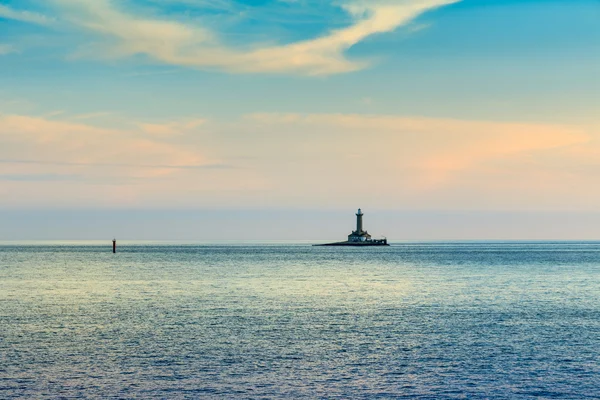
column 279, row 321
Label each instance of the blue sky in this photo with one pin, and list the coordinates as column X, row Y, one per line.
column 193, row 104
column 472, row 59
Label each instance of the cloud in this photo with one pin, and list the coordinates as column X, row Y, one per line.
column 299, row 160
column 183, row 44
column 171, row 128
column 30, row 142
column 23, row 16
column 40, row 177
column 6, row 49
column 111, row 165
column 393, row 155
column 49, row 162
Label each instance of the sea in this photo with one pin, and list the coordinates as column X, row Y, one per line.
column 456, row 320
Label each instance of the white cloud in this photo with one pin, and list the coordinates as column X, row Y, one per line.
column 62, row 142
column 417, row 161
column 178, row 43
column 296, row 160
column 24, row 16
column 59, row 162
column 6, row 49
column 171, row 128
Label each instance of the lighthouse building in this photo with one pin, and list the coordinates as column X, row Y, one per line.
column 359, row 235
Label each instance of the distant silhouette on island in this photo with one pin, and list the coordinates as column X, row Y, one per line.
column 359, row 237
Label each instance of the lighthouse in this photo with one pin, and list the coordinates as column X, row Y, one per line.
column 359, row 225
column 359, row 235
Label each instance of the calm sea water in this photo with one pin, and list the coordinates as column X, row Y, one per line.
column 430, row 321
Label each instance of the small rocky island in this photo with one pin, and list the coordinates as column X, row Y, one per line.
column 359, row 237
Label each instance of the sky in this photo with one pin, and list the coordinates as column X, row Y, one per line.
column 272, row 119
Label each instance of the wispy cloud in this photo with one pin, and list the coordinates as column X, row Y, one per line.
column 23, row 16
column 295, row 159
column 6, row 49
column 65, row 162
column 41, row 178
column 171, row 128
column 437, row 152
column 41, row 141
column 190, row 44
column 93, row 115
column 111, row 165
